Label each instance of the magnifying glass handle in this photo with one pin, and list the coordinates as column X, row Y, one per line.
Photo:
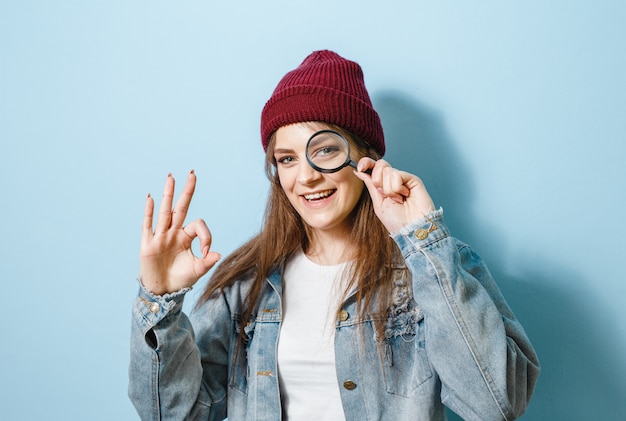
column 353, row 165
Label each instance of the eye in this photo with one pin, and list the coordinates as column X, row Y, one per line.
column 328, row 156
column 326, row 151
column 285, row 160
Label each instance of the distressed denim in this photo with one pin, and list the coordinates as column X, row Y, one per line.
column 450, row 339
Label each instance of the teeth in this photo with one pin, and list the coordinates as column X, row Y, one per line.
column 318, row 195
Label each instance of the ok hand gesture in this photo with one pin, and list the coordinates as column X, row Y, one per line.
column 167, row 263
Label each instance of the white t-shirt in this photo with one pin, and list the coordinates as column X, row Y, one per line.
column 312, row 294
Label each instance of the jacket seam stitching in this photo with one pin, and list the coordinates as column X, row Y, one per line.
column 469, row 340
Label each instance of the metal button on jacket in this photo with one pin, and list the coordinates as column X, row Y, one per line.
column 421, row 234
column 343, row 315
column 350, row 385
column 152, row 306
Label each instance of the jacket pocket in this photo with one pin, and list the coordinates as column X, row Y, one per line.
column 405, row 363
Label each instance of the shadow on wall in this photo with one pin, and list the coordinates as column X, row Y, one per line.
column 583, row 372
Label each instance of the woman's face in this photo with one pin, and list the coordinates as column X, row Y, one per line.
column 323, row 201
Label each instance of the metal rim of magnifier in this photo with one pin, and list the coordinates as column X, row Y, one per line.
column 328, row 170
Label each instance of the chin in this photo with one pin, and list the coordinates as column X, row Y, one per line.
column 325, row 225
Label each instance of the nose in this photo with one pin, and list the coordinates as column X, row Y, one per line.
column 306, row 174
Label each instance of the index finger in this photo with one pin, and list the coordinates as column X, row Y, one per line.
column 363, row 165
column 182, row 204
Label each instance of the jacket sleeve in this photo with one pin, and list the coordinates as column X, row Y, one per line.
column 166, row 378
column 486, row 363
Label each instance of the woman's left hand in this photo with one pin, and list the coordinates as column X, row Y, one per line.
column 399, row 197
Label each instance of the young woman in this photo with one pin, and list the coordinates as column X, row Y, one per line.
column 353, row 301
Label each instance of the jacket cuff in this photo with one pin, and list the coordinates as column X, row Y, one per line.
column 421, row 232
column 154, row 308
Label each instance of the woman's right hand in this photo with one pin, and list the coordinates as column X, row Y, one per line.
column 167, row 263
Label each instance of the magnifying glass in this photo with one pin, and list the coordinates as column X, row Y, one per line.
column 328, row 151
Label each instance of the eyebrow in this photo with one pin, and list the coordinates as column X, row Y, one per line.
column 283, row 150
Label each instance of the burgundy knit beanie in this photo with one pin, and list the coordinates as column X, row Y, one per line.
column 328, row 88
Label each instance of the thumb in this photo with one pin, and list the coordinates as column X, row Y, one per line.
column 207, row 261
column 374, row 192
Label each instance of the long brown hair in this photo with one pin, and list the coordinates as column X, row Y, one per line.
column 283, row 232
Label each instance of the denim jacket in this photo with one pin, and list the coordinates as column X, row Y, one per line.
column 450, row 339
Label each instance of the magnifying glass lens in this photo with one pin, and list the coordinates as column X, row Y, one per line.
column 328, row 151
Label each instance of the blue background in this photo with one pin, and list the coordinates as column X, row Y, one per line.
column 511, row 111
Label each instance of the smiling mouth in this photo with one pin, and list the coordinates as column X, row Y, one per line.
column 319, row 195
